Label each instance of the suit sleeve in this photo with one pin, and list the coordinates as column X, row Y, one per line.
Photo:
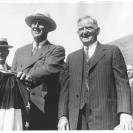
column 52, row 65
column 64, row 92
column 122, row 83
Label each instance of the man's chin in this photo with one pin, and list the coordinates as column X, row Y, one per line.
column 37, row 38
column 37, row 35
column 130, row 76
column 85, row 42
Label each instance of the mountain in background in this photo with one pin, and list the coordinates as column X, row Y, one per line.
column 126, row 46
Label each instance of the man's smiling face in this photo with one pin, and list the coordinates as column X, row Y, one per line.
column 87, row 31
column 39, row 30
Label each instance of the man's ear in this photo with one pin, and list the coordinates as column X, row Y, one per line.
column 7, row 52
column 77, row 32
column 98, row 30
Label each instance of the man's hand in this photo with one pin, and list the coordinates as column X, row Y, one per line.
column 63, row 123
column 125, row 121
column 24, row 76
column 27, row 78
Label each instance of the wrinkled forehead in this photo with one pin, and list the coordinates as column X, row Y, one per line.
column 87, row 21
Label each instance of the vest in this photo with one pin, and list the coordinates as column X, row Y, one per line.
column 85, row 86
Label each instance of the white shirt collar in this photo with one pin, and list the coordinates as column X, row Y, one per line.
column 40, row 44
column 91, row 49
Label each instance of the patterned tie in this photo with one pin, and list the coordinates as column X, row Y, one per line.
column 87, row 53
column 35, row 50
column 87, row 59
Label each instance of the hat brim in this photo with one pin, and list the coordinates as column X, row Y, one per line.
column 49, row 21
column 6, row 46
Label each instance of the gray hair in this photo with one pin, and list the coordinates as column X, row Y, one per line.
column 92, row 20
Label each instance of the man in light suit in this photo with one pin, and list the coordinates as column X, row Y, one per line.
column 38, row 65
column 95, row 92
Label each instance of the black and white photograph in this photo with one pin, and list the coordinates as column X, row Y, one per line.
column 66, row 65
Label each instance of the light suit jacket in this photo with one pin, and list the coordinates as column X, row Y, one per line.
column 44, row 67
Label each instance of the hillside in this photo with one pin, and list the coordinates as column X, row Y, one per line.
column 126, row 46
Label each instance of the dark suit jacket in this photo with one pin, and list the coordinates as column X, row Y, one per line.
column 44, row 68
column 109, row 92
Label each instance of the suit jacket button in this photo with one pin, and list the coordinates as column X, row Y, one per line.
column 77, row 96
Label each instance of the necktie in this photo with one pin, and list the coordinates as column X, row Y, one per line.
column 87, row 59
column 87, row 53
column 35, row 50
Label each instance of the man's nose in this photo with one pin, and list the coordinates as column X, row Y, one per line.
column 36, row 24
column 84, row 30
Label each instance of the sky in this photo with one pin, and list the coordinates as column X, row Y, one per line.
column 115, row 18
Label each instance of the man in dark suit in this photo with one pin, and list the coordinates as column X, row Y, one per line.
column 4, row 52
column 95, row 93
column 38, row 65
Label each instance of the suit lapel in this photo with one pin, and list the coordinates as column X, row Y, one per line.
column 79, row 60
column 27, row 53
column 41, row 52
column 99, row 53
column 78, row 64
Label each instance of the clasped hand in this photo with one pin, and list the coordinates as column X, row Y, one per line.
column 27, row 78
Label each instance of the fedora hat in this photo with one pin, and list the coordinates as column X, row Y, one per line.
column 4, row 43
column 41, row 15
